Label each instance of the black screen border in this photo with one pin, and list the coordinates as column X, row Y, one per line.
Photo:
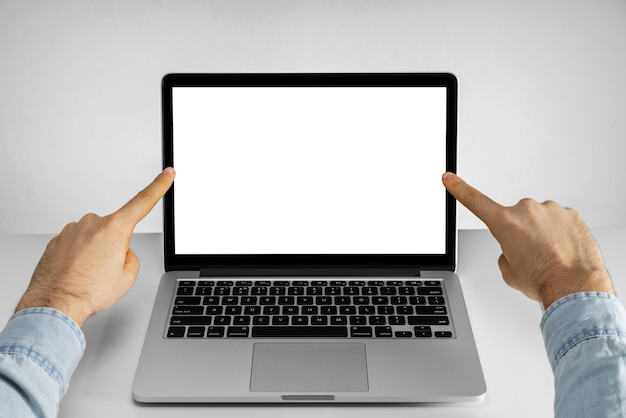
column 310, row 264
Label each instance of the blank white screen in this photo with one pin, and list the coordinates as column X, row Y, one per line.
column 302, row 170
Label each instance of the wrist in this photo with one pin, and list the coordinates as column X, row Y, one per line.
column 69, row 305
column 559, row 288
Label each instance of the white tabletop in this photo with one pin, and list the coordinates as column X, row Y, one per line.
column 506, row 327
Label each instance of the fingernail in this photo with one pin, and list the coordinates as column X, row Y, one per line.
column 448, row 176
column 168, row 170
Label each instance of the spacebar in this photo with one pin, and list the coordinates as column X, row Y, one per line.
column 294, row 331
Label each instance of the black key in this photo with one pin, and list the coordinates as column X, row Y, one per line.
column 319, row 320
column 430, row 310
column 332, row 291
column 376, row 283
column 357, row 283
column 175, row 332
column 214, row 332
column 339, row 320
column 300, row 320
column 188, row 310
column 300, row 331
column 361, row 300
column 222, row 320
column 314, row 291
column 418, row 300
column 404, row 334
column 267, row 300
column 304, row 300
column 230, row 300
column 388, row 291
column 291, row 310
column 241, row 320
column 186, row 283
column 190, row 320
column 396, row 283
column 377, row 320
column 310, row 310
column 258, row 291
column 404, row 310
column 361, row 332
column 380, row 300
column 263, row 283
column 396, row 320
column 385, row 310
column 351, row 291
column 204, row 291
column 280, row 320
column 383, row 332
column 222, row 291
column 300, row 283
column 406, row 291
column 423, row 332
column 241, row 291
column 225, row 283
column 278, row 290
column 436, row 300
column 399, row 300
column 187, row 300
column 343, row 300
column 281, row 283
column 243, row 283
column 214, row 310
column 358, row 320
column 184, row 291
column 323, row 300
column 206, row 283
column 369, row 291
column 271, row 310
column 295, row 291
column 338, row 283
column 429, row 291
column 261, row 320
column 195, row 332
column 328, row 310
column 443, row 334
column 238, row 331
column 429, row 320
column 232, row 310
column 249, row 300
column 347, row 310
column 319, row 283
column 211, row 300
column 432, row 283
column 286, row 300
column 252, row 310
column 414, row 283
column 367, row 310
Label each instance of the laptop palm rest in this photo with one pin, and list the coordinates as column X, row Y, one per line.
column 309, row 367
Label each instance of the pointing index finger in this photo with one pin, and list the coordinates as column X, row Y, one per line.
column 479, row 204
column 140, row 205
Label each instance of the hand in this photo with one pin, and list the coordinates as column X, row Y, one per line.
column 547, row 250
column 90, row 265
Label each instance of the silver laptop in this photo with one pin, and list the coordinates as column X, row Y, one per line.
column 309, row 243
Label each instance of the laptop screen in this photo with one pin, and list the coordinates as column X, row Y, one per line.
column 289, row 169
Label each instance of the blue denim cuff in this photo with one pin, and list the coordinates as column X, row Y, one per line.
column 47, row 337
column 578, row 317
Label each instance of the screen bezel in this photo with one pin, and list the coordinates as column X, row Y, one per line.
column 311, row 264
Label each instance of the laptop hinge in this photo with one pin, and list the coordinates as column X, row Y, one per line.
column 302, row 271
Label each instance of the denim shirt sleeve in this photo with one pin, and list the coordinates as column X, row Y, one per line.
column 585, row 338
column 39, row 350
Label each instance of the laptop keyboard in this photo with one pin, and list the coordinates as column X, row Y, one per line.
column 309, row 309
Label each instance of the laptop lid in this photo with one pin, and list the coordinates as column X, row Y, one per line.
column 309, row 174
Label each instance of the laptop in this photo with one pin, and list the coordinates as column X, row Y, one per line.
column 309, row 243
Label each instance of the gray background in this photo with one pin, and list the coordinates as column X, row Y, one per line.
column 541, row 109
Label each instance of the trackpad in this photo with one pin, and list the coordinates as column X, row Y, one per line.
column 309, row 367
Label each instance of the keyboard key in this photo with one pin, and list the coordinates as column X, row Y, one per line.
column 243, row 283
column 443, row 334
column 214, row 310
column 377, row 320
column 186, row 283
column 436, row 300
column 175, row 332
column 423, row 332
column 430, row 310
column 286, row 300
column 221, row 320
column 404, row 334
column 432, row 283
column 241, row 320
column 429, row 320
column 225, row 283
column 358, row 320
column 361, row 332
column 184, row 291
column 188, row 310
column 233, row 310
column 300, row 332
column 339, row 320
column 206, row 283
column 261, row 320
column 300, row 320
column 187, row 300
column 310, row 310
column 238, row 331
column 214, row 332
column 280, row 320
column 429, row 291
column 195, row 332
column 319, row 320
column 190, row 320
column 383, row 332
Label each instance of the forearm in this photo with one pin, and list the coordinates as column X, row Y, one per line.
column 585, row 336
column 39, row 351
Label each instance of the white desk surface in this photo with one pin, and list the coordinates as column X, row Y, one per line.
column 506, row 327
